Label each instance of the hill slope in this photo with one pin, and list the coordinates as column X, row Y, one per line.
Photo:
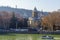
column 23, row 12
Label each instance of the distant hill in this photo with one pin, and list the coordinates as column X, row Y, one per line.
column 23, row 12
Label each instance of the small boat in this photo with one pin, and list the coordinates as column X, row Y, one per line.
column 47, row 37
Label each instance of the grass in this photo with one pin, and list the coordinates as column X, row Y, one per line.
column 26, row 37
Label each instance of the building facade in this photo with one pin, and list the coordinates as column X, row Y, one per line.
column 34, row 21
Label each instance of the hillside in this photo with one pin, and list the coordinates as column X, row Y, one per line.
column 23, row 12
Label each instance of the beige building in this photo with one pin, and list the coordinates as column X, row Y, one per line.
column 34, row 21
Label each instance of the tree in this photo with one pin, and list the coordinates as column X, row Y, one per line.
column 25, row 24
column 13, row 21
column 4, row 19
column 51, row 21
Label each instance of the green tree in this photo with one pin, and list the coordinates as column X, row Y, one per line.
column 13, row 21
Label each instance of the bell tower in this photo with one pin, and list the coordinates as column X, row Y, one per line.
column 34, row 21
column 35, row 13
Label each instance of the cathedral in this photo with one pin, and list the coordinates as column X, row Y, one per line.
column 34, row 20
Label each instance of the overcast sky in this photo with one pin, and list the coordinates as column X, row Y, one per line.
column 46, row 5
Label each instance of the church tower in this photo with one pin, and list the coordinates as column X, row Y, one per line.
column 35, row 13
column 33, row 21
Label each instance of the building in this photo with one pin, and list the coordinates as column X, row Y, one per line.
column 34, row 21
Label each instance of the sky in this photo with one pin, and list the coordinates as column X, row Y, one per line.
column 45, row 5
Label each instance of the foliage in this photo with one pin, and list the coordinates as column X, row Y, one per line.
column 50, row 20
